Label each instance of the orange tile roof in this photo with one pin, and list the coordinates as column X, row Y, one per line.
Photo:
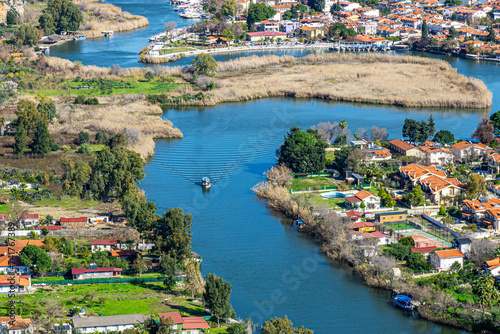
column 493, row 262
column 19, row 323
column 364, row 194
column 4, row 261
column 25, row 243
column 477, row 205
column 401, row 144
column 23, row 280
column 447, row 253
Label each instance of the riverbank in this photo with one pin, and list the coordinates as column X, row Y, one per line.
column 367, row 78
column 99, row 17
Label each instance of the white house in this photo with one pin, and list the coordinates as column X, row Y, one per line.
column 439, row 156
column 117, row 323
column 444, row 259
column 20, row 325
column 464, row 244
column 22, row 283
column 103, row 245
column 383, row 239
column 492, row 267
column 14, row 265
column 370, row 200
column 467, row 151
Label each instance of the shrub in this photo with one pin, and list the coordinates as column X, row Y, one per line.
column 79, row 99
column 92, row 101
column 149, row 75
column 84, row 149
column 55, row 147
column 83, row 137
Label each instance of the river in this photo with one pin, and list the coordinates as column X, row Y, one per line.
column 273, row 269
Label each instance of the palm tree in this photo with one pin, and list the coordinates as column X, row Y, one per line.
column 450, row 168
column 343, row 124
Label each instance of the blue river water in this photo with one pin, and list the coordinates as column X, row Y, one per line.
column 273, row 269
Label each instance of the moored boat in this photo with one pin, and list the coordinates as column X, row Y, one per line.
column 80, row 37
column 404, row 302
column 108, row 33
column 205, row 182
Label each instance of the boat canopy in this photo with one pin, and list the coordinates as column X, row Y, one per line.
column 205, row 179
column 404, row 298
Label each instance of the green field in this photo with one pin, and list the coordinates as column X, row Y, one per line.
column 70, row 203
column 4, row 209
column 121, row 87
column 313, row 183
column 175, row 50
column 336, row 203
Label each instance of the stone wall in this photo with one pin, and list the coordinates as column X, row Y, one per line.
column 6, row 5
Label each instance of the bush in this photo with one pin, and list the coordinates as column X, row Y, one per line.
column 79, row 100
column 149, row 75
column 84, row 149
column 55, row 147
column 83, row 137
column 92, row 101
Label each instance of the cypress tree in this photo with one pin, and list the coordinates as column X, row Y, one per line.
column 425, row 31
column 21, row 141
column 42, row 141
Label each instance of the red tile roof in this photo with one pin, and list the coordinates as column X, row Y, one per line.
column 79, row 271
column 187, row 322
column 74, row 220
column 423, row 250
column 447, row 253
column 103, row 241
column 401, row 144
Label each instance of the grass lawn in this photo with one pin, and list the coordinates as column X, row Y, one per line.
column 4, row 209
column 330, row 155
column 71, row 203
column 336, row 203
column 118, row 299
column 400, row 227
column 316, row 182
column 175, row 50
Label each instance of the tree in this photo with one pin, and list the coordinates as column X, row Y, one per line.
column 170, row 26
column 46, row 22
column 425, row 33
column 48, row 219
column 228, row 34
column 282, row 326
column 139, row 266
column 452, row 33
column 27, row 35
column 340, row 160
column 205, row 64
column 167, row 267
column 65, row 14
column 431, row 127
column 442, row 210
column 328, row 131
column 454, row 17
column 50, row 244
column 485, row 291
column 452, row 2
column 84, row 136
column 173, row 234
column 237, row 328
column 21, row 141
column 491, row 34
column 32, row 255
column 378, row 134
column 476, row 187
column 495, row 120
column 12, row 17
column 229, row 8
column 302, row 151
column 485, row 131
column 317, row 5
column 407, row 241
column 28, row 116
column 42, row 141
column 46, row 108
column 217, row 297
column 194, row 280
column 75, row 176
column 140, row 213
column 259, row 12
column 336, row 8
column 444, row 137
column 415, row 197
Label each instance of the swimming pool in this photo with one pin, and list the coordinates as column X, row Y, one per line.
column 335, row 194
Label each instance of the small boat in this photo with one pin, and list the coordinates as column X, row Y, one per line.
column 205, row 182
column 80, row 37
column 404, row 302
column 108, row 33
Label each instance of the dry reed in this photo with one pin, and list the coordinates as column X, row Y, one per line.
column 99, row 17
column 113, row 115
column 374, row 78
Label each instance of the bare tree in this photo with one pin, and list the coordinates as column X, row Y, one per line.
column 133, row 135
column 485, row 131
column 280, row 175
column 169, row 27
column 378, row 134
column 483, row 250
column 362, row 133
column 328, row 131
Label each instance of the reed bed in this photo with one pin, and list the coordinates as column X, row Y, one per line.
column 117, row 114
column 99, row 17
column 370, row 78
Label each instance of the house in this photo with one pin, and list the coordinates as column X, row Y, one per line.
column 51, row 227
column 474, row 210
column 112, row 323
column 354, row 215
column 436, row 154
column 265, row 35
column 391, row 217
column 13, row 265
column 20, row 325
column 311, row 32
column 362, row 227
column 267, row 25
column 444, row 259
column 353, row 178
column 186, row 325
column 288, row 26
column 124, row 253
column 103, row 245
column 370, row 200
column 383, row 239
column 425, row 251
column 29, row 219
column 23, row 243
column 467, row 151
column 99, row 219
column 74, row 222
column 403, row 148
column 491, row 219
column 376, row 153
column 63, row 328
column 494, row 163
column 95, row 272
column 464, row 244
column 22, row 283
column 492, row 267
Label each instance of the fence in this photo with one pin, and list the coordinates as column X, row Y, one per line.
column 364, row 186
column 136, row 280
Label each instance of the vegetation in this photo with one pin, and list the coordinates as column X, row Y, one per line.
column 282, row 325
column 217, row 297
column 61, row 16
column 418, row 131
column 302, row 151
column 205, row 64
column 34, row 256
column 259, row 12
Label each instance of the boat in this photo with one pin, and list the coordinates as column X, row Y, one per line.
column 108, row 33
column 404, row 302
column 205, row 182
column 80, row 37
column 190, row 14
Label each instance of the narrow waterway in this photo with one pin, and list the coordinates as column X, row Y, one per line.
column 274, row 270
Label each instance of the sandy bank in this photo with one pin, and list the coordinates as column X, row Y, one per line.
column 407, row 81
column 99, row 17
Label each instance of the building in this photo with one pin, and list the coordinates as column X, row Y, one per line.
column 425, row 251
column 474, row 210
column 186, row 325
column 103, row 245
column 494, row 163
column 464, row 244
column 22, row 283
column 124, row 254
column 20, row 325
column 492, row 267
column 13, row 265
column 267, row 25
column 467, row 151
column 444, row 259
column 383, row 239
column 403, row 148
column 353, row 178
column 265, row 35
column 30, row 219
column 74, row 222
column 491, row 219
column 113, row 323
column 310, row 32
column 99, row 219
column 354, row 215
column 362, row 227
column 376, row 153
column 370, row 200
column 436, row 154
column 391, row 217
column 95, row 272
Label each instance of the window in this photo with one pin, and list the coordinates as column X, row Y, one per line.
column 400, row 217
